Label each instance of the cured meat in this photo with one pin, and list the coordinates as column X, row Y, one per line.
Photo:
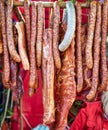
column 40, row 26
column 71, row 23
column 90, row 35
column 22, row 45
column 79, row 68
column 65, row 87
column 103, row 60
column 27, row 24
column 1, row 41
column 11, row 45
column 56, row 22
column 33, row 80
column 6, row 65
column 95, row 74
column 48, row 78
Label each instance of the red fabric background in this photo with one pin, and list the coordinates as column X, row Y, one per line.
column 32, row 106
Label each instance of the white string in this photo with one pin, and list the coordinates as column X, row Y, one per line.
column 27, row 122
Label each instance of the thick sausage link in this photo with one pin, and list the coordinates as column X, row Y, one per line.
column 11, row 45
column 95, row 74
column 56, row 22
column 40, row 25
column 104, row 71
column 90, row 35
column 6, row 65
column 33, row 80
column 78, row 49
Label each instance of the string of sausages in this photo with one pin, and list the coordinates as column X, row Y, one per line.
column 76, row 51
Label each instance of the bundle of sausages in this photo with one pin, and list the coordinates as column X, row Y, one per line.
column 78, row 52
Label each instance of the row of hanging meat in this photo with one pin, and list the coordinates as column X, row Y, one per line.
column 76, row 51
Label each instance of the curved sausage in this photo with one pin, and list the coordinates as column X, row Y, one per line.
column 90, row 35
column 33, row 80
column 56, row 23
column 22, row 45
column 6, row 65
column 11, row 45
column 95, row 74
column 71, row 24
column 104, row 70
column 40, row 25
column 79, row 68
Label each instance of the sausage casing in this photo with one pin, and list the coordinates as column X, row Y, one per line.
column 95, row 74
column 27, row 24
column 40, row 26
column 33, row 80
column 103, row 60
column 90, row 35
column 10, row 39
column 56, row 23
column 79, row 68
column 6, row 64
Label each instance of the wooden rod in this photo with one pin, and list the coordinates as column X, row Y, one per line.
column 50, row 4
column 21, row 118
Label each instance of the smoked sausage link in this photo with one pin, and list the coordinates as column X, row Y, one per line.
column 78, row 49
column 56, row 23
column 90, row 35
column 33, row 80
column 40, row 26
column 95, row 74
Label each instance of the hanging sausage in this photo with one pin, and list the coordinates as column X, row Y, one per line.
column 6, row 64
column 33, row 80
column 96, row 49
column 56, row 23
column 79, row 69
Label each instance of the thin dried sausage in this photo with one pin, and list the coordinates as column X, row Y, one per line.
column 90, row 35
column 104, row 70
column 33, row 80
column 79, row 68
column 11, row 46
column 40, row 26
column 27, row 24
column 6, row 64
column 95, row 74
column 56, row 22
